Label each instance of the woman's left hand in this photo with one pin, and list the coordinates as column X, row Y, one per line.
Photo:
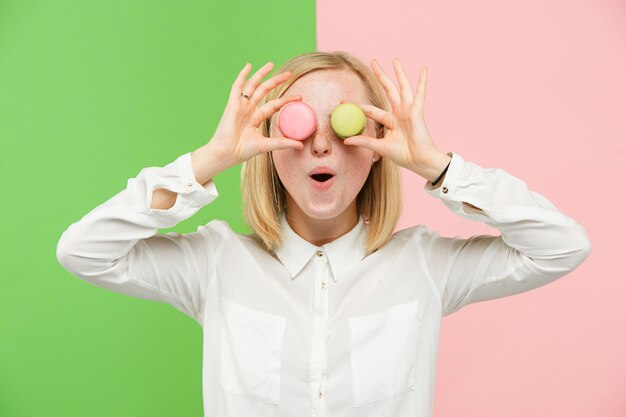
column 407, row 141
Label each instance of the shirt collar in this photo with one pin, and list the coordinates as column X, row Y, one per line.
column 343, row 253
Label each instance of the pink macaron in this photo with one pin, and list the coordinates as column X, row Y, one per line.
column 296, row 120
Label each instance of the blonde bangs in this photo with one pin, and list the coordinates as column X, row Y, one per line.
column 263, row 194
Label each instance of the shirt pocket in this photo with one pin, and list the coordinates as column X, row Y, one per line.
column 383, row 353
column 250, row 354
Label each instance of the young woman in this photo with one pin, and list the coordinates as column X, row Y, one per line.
column 324, row 310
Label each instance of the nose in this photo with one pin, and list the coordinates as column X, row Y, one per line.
column 322, row 140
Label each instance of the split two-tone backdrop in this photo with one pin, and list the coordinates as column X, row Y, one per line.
column 92, row 92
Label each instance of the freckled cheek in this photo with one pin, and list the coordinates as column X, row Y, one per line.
column 357, row 171
column 351, row 181
column 288, row 172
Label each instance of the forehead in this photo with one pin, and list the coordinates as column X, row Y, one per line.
column 328, row 87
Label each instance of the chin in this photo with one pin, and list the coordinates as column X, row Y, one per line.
column 323, row 212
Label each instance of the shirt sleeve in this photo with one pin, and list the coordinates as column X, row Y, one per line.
column 116, row 246
column 537, row 243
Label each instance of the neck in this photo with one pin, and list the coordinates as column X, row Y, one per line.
column 321, row 231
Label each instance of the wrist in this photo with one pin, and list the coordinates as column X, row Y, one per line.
column 434, row 167
column 207, row 162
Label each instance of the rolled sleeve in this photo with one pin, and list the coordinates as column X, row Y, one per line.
column 178, row 177
column 538, row 243
column 116, row 245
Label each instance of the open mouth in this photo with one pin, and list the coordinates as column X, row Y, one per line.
column 322, row 182
column 321, row 177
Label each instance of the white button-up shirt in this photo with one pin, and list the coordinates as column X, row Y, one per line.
column 321, row 330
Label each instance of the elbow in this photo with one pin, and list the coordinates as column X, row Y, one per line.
column 585, row 248
column 64, row 257
column 579, row 250
column 575, row 251
column 84, row 265
column 64, row 253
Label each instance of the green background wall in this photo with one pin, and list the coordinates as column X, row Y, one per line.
column 90, row 93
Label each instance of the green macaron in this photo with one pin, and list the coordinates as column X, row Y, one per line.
column 347, row 120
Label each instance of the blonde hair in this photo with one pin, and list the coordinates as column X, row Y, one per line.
column 264, row 195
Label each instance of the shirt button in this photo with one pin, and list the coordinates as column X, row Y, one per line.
column 189, row 183
column 444, row 190
column 323, row 285
column 320, row 394
column 319, row 253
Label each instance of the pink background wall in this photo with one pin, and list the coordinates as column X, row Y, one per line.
column 537, row 88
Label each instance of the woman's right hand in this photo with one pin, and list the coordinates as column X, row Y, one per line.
column 237, row 137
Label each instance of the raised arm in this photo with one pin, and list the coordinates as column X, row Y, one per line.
column 537, row 245
column 116, row 245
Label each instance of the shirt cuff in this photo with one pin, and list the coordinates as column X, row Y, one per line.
column 178, row 177
column 458, row 178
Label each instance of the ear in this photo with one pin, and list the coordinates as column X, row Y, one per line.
column 380, row 131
